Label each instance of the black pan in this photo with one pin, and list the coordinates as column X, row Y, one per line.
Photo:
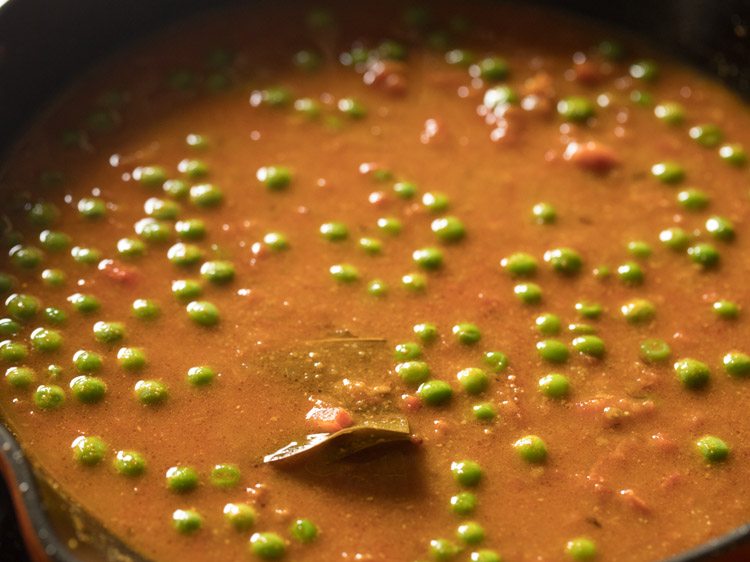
column 46, row 43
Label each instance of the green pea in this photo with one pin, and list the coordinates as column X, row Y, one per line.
column 668, row 172
column 531, row 448
column 43, row 215
column 725, row 309
column 145, row 309
column 275, row 178
column 240, row 516
column 470, row 532
column 190, row 229
column 435, row 202
column 428, row 258
column 88, row 451
column 92, row 208
column 675, row 239
column 704, row 254
column 54, row 277
column 736, row 364
column 371, row 246
column 197, row 141
column 707, row 134
column 466, row 473
column 344, row 272
column 181, row 479
column 352, row 108
column 548, row 324
column 593, row 346
column 435, row 392
column 499, row 97
column 219, row 272
column 638, row 311
column 129, row 463
column 306, row 60
column 693, row 199
column 13, row 352
column 201, row 375
column 473, row 380
column 303, row 530
column 186, row 289
column 25, row 257
column 554, row 385
column 186, row 521
column 581, row 549
column 630, row 273
column 544, row 213
column 268, row 546
column 693, row 374
column 642, row 98
column 203, row 313
column 150, row 176
column 733, row 154
column 49, row 396
column 712, row 449
column 43, row 339
column 414, row 282
column 490, row 69
column 184, row 255
column 496, row 360
column 576, row 109
column 519, row 264
column 151, row 392
column 276, row 241
column 54, row 371
column 109, row 332
column 390, row 225
column 448, row 229
column 405, row 189
column 192, row 168
column 6, row 283
column 55, row 315
column 131, row 358
column 54, row 241
column 85, row 304
column 413, row 372
column 161, row 209
column 589, row 309
column 485, row 411
column 87, row 361
column 130, row 248
column 528, row 293
column 671, row 113
column 720, row 228
column 177, row 189
column 581, row 329
column 426, row 331
column 467, row 333
column 273, row 97
column 20, row 377
column 463, row 503
column 87, row 256
column 485, row 555
column 152, row 230
column 334, row 231
column 655, row 350
column 564, row 260
column 442, row 549
column 377, row 288
column 645, row 70
column 639, row 249
column 9, row 327
column 460, row 57
column 552, row 351
column 407, row 350
column 206, row 196
column 225, row 475
column 88, row 390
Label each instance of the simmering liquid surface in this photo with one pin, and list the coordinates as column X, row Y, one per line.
column 523, row 236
